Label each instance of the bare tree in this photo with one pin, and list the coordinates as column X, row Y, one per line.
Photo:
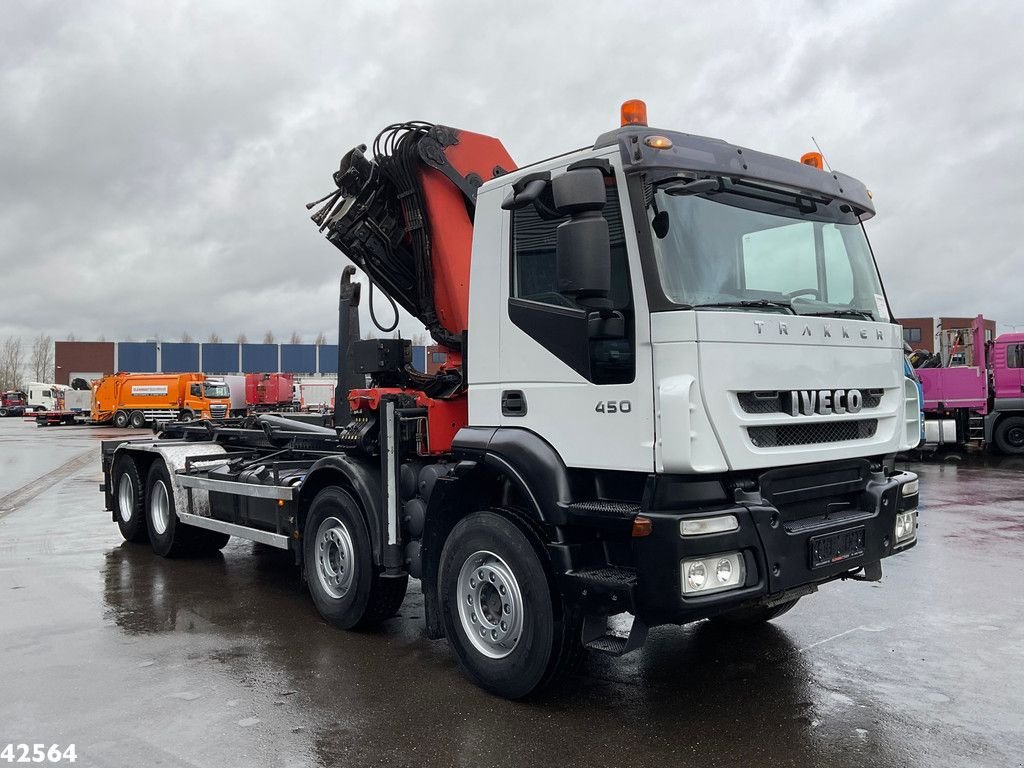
column 186, row 337
column 42, row 358
column 242, row 339
column 295, row 339
column 102, row 338
column 70, row 337
column 419, row 339
column 268, row 337
column 321, row 339
column 214, row 338
column 10, row 363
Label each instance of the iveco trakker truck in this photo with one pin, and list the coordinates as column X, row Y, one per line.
column 672, row 390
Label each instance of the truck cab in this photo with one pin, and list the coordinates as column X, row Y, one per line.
column 207, row 398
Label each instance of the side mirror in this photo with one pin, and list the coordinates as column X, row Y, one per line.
column 583, row 249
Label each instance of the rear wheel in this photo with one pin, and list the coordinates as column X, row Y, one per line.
column 506, row 624
column 169, row 536
column 121, row 419
column 129, row 499
column 347, row 588
column 1009, row 435
column 753, row 616
column 138, row 419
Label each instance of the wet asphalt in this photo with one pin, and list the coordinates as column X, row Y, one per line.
column 224, row 662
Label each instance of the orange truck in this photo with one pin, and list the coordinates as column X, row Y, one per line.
column 138, row 399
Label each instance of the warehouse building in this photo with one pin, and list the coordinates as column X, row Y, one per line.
column 93, row 359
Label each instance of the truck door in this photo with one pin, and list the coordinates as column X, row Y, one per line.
column 1007, row 370
column 590, row 398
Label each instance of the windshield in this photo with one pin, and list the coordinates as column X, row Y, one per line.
column 804, row 256
column 217, row 390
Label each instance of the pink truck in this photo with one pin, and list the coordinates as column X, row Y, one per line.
column 981, row 403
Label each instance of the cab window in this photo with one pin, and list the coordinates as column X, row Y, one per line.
column 553, row 318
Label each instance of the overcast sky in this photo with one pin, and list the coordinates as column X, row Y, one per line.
column 155, row 159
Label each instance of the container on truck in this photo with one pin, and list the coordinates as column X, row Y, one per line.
column 139, row 399
column 236, row 392
column 317, row 395
column 269, row 391
column 977, row 398
column 672, row 391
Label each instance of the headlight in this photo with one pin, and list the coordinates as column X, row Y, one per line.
column 713, row 574
column 906, row 527
column 705, row 525
column 911, row 488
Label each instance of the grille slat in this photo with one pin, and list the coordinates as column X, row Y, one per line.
column 782, row 435
column 772, row 402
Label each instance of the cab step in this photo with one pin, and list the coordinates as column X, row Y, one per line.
column 605, row 589
column 615, row 636
column 603, row 514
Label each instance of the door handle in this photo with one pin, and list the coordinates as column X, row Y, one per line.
column 513, row 403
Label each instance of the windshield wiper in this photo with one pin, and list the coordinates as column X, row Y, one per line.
column 841, row 313
column 754, row 304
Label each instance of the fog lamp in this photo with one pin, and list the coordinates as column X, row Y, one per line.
column 911, row 488
column 713, row 574
column 906, row 526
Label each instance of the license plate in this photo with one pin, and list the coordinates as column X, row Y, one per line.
column 832, row 548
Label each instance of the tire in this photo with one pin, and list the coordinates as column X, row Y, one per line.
column 137, row 420
column 168, row 536
column 187, row 416
column 753, row 616
column 526, row 641
column 3, row 412
column 1009, row 435
column 129, row 500
column 347, row 588
column 121, row 419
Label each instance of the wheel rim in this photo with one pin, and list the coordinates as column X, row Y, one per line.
column 160, row 507
column 126, row 497
column 335, row 558
column 491, row 604
column 1015, row 437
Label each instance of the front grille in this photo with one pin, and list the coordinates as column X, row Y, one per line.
column 218, row 411
column 774, row 401
column 781, row 435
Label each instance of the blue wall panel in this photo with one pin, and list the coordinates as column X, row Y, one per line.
column 136, row 356
column 259, row 358
column 220, row 358
column 298, row 358
column 178, row 357
column 328, row 358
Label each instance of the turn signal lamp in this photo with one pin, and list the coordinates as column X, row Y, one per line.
column 642, row 526
column 634, row 112
column 813, row 159
column 658, row 142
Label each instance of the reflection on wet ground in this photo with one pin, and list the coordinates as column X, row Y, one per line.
column 224, row 661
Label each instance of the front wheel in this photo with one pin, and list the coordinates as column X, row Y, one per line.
column 1009, row 435
column 506, row 624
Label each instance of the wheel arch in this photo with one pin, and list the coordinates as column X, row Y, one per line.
column 361, row 478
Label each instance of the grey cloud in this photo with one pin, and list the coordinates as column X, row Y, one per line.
column 155, row 160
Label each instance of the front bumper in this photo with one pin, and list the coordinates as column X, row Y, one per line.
column 775, row 544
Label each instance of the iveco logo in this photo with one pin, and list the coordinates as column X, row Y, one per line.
column 824, row 401
column 827, row 331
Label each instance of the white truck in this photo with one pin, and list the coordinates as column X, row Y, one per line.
column 673, row 390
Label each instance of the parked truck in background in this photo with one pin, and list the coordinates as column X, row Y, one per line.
column 269, row 391
column 980, row 403
column 672, row 390
column 138, row 399
column 13, row 403
column 317, row 395
column 44, row 397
